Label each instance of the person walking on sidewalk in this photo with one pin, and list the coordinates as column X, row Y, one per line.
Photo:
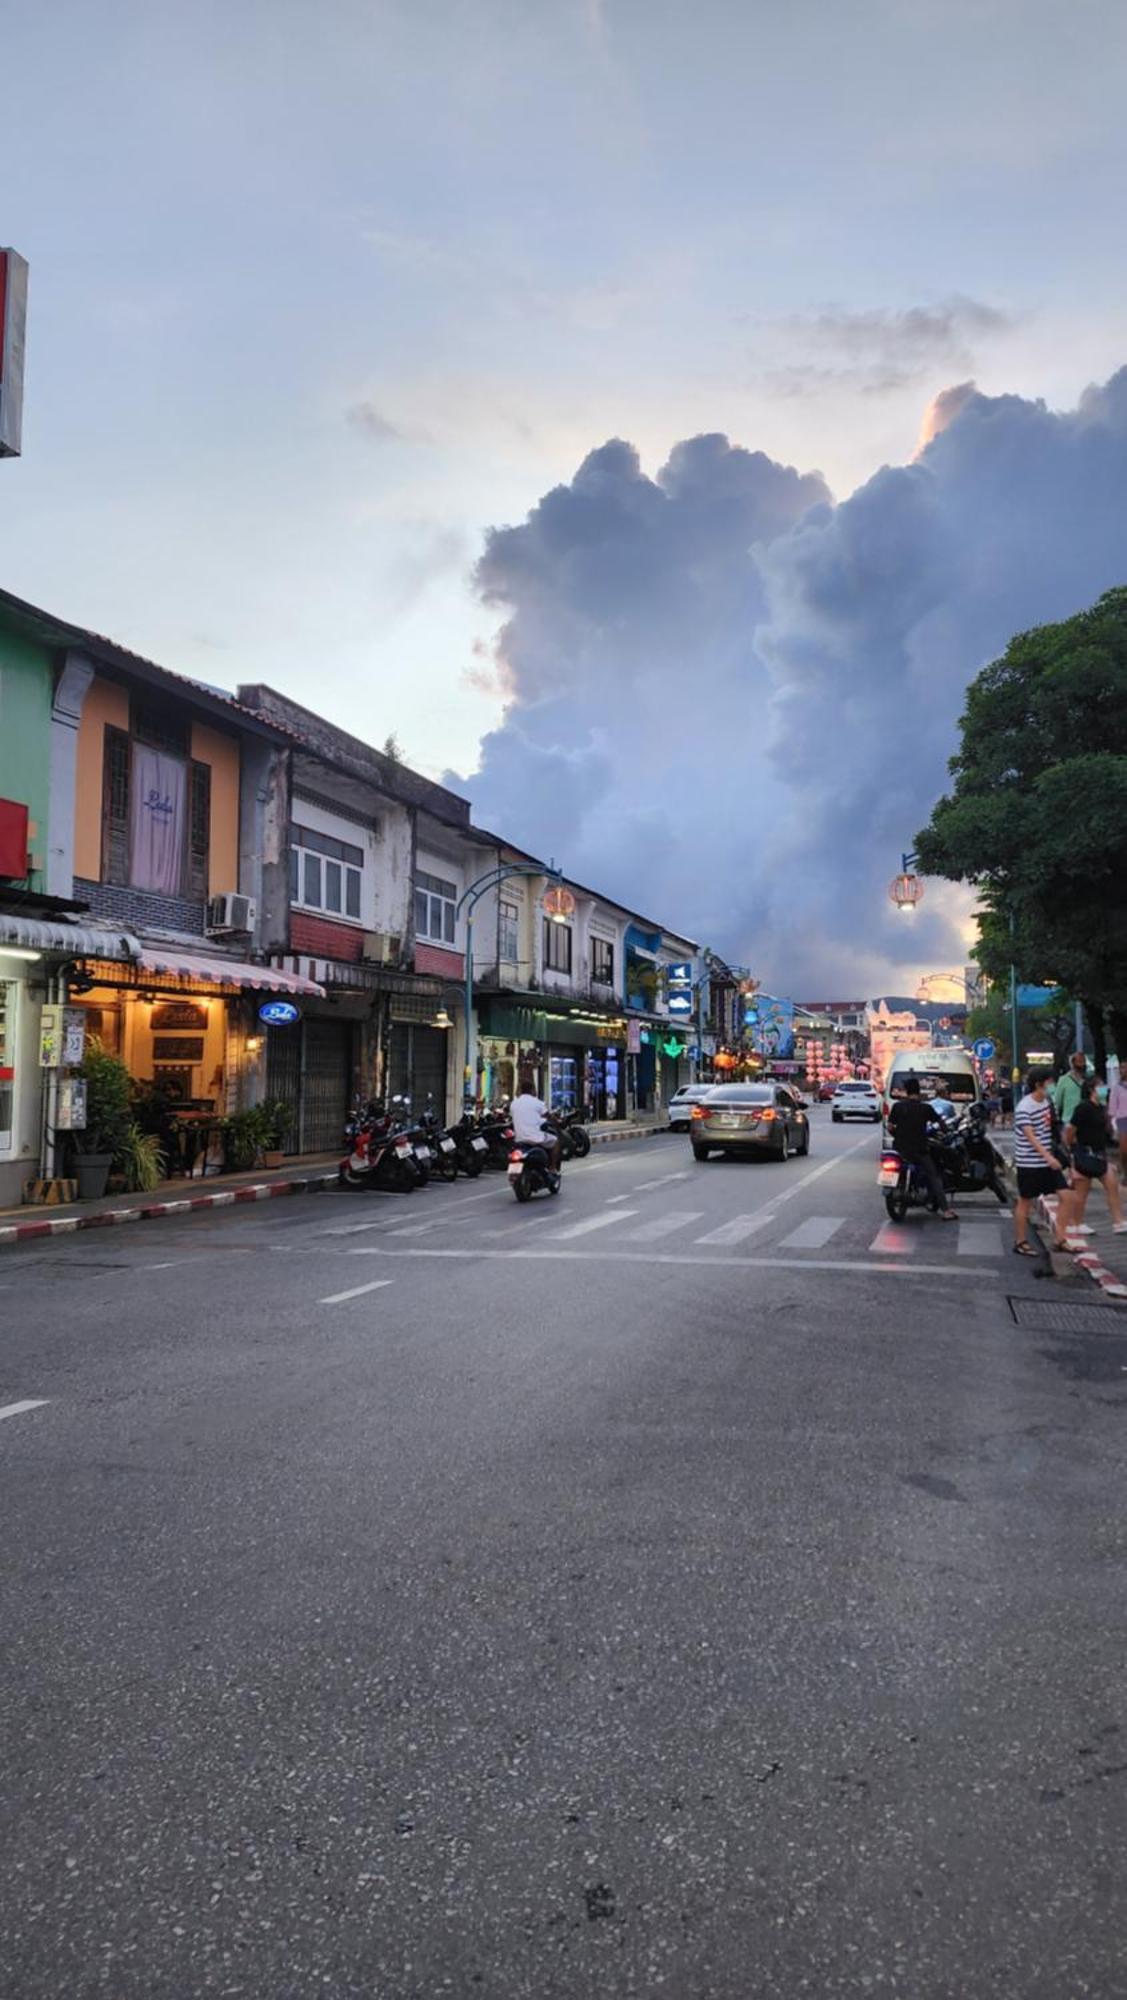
column 1117, row 1112
column 1066, row 1090
column 1088, row 1135
column 1038, row 1172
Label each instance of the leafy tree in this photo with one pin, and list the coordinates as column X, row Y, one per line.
column 1037, row 815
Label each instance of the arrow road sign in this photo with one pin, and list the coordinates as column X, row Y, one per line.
column 984, row 1049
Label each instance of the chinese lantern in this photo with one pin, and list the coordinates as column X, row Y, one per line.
column 905, row 891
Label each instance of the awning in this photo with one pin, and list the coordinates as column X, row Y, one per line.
column 225, row 971
column 76, row 940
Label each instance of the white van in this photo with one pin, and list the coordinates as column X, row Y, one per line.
column 942, row 1073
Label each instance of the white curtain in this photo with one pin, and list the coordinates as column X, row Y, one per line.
column 158, row 820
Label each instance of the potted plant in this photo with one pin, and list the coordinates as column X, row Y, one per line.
column 277, row 1119
column 107, row 1119
column 141, row 1160
column 244, row 1134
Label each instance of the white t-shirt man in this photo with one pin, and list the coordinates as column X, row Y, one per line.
column 526, row 1115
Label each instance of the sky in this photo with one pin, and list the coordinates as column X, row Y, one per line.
column 347, row 320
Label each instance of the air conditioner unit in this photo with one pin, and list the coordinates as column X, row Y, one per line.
column 229, row 913
column 381, row 948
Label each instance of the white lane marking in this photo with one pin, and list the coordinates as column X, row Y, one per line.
column 643, row 1187
column 664, row 1225
column 17, row 1409
column 979, row 1239
column 893, row 1240
column 813, row 1234
column 591, row 1222
column 737, row 1264
column 739, row 1227
column 417, row 1228
column 338, row 1298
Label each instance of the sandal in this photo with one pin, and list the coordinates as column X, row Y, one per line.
column 1025, row 1249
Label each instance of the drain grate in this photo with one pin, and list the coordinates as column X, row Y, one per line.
column 1047, row 1316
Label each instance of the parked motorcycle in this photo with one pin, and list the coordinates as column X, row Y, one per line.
column 443, row 1149
column 531, row 1173
column 967, row 1159
column 575, row 1143
column 381, row 1154
column 495, row 1129
column 470, row 1146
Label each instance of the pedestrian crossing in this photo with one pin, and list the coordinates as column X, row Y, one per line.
column 977, row 1236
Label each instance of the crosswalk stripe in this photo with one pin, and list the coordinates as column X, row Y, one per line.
column 664, row 1225
column 736, row 1230
column 592, row 1222
column 893, row 1241
column 813, row 1234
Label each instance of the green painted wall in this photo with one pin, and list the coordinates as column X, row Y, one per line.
column 26, row 687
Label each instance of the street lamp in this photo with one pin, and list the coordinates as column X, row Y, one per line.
column 906, row 889
column 468, row 901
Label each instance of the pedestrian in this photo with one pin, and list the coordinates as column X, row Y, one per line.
column 1088, row 1133
column 908, row 1121
column 1038, row 1172
column 1006, row 1104
column 1066, row 1090
column 1117, row 1112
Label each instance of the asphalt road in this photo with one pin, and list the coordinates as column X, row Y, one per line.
column 686, row 1586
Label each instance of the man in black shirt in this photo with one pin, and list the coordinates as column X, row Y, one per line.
column 908, row 1121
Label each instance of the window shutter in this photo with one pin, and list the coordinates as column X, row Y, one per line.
column 115, row 806
column 199, row 831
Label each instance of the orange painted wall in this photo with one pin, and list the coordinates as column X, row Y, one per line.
column 212, row 746
column 105, row 703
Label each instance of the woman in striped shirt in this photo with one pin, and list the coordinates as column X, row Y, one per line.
column 1038, row 1172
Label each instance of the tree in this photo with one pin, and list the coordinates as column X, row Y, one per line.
column 391, row 748
column 1037, row 815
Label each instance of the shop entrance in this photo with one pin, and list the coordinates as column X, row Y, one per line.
column 326, row 1084
column 606, row 1084
column 417, row 1066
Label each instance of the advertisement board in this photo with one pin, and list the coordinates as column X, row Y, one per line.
column 771, row 1033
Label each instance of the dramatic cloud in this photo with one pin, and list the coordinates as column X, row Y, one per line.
column 732, row 702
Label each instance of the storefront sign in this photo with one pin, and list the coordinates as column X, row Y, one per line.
column 673, row 1048
column 680, row 1003
column 279, row 1013
column 633, row 1037
column 680, row 974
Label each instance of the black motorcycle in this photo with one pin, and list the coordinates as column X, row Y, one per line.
column 530, row 1172
column 470, row 1147
column 575, row 1142
column 442, row 1145
column 967, row 1159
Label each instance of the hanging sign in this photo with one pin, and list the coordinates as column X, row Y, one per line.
column 279, row 1013
column 680, row 1003
column 680, row 974
column 633, row 1037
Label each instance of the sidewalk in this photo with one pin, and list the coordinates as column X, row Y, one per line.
column 185, row 1197
column 1103, row 1257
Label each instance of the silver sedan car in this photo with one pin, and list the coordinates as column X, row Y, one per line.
column 750, row 1118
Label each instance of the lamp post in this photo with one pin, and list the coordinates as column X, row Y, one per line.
column 468, row 901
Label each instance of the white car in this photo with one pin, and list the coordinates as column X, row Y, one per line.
column 681, row 1104
column 855, row 1100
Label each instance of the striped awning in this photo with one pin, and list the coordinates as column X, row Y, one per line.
column 74, row 940
column 237, row 973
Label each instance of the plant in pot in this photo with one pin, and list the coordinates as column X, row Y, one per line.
column 108, row 1119
column 244, row 1135
column 142, row 1163
column 277, row 1120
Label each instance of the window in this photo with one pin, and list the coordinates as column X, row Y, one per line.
column 508, row 933
column 435, row 902
column 557, row 946
column 602, row 962
column 325, row 873
column 156, row 809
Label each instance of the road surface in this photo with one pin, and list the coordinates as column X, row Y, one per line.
column 689, row 1586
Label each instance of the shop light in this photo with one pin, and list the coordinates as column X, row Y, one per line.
column 442, row 1019
column 18, row 951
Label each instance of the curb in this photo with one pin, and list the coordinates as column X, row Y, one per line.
column 1088, row 1260
column 108, row 1218
column 635, row 1132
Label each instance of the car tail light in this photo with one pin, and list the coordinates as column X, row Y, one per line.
column 769, row 1115
column 700, row 1111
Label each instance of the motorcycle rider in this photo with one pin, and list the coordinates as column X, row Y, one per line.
column 908, row 1121
column 527, row 1113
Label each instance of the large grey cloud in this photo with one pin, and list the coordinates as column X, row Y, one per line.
column 732, row 702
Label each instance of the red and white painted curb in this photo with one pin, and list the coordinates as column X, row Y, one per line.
column 1088, row 1260
column 108, row 1218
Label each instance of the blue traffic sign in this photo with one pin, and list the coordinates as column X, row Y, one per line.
column 279, row 1013
column 983, row 1049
